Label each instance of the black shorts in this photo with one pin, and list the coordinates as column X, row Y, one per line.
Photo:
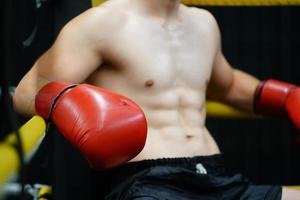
column 184, row 178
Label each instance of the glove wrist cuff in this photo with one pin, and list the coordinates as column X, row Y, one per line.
column 47, row 97
column 270, row 97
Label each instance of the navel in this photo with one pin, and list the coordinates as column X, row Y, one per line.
column 149, row 83
column 189, row 137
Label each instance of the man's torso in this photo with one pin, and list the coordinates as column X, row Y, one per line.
column 164, row 66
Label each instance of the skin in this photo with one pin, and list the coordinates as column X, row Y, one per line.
column 161, row 54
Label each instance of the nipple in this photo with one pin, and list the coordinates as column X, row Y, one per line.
column 149, row 83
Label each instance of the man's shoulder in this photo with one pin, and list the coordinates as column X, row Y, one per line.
column 202, row 18
column 110, row 9
column 104, row 17
column 200, row 14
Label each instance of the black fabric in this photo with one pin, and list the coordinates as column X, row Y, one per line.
column 184, row 179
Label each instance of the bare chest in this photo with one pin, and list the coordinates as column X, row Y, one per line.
column 168, row 54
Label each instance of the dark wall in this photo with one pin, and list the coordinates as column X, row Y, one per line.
column 35, row 33
column 31, row 33
column 263, row 41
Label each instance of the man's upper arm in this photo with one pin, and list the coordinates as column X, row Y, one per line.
column 222, row 72
column 229, row 85
column 75, row 54
column 221, row 78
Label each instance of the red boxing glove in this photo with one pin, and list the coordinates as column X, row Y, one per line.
column 108, row 129
column 278, row 98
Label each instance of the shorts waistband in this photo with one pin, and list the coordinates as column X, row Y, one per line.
column 187, row 162
column 214, row 164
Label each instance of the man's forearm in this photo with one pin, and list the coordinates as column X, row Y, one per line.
column 24, row 105
column 242, row 90
column 24, row 96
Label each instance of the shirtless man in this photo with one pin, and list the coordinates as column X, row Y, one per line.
column 164, row 56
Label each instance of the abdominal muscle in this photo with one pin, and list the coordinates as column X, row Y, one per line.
column 169, row 136
column 176, row 123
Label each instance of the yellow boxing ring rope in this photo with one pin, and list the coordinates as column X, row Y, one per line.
column 230, row 2
column 241, row 2
column 30, row 133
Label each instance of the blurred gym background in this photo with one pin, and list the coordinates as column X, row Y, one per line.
column 262, row 40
